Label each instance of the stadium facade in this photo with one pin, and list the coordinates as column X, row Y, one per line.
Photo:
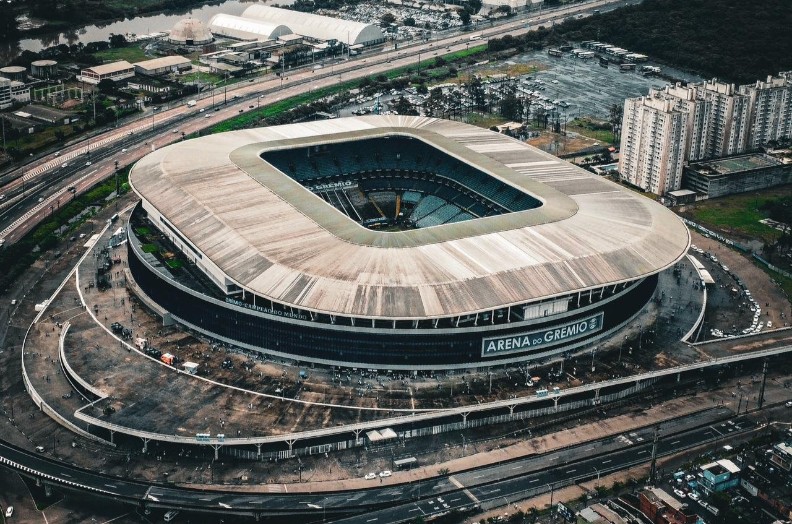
column 392, row 242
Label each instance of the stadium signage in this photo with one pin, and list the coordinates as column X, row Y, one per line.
column 269, row 311
column 334, row 185
column 495, row 346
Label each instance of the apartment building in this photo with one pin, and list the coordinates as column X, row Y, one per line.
column 770, row 113
column 654, row 134
column 719, row 120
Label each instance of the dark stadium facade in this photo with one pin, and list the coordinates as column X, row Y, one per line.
column 382, row 191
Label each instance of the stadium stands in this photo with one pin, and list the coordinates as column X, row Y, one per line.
column 433, row 187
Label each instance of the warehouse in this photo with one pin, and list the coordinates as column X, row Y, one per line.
column 163, row 65
column 318, row 27
column 112, row 71
column 240, row 28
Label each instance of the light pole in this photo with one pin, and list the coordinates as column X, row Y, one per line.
column 596, row 484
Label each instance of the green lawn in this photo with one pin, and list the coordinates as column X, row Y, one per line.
column 149, row 248
column 738, row 214
column 131, row 54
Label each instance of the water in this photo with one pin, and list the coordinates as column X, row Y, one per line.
column 139, row 25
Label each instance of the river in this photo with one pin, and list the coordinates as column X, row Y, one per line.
column 139, row 25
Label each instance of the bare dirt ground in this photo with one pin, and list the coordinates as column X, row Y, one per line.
column 559, row 144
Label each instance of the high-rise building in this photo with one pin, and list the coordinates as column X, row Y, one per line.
column 718, row 120
column 770, row 109
column 654, row 134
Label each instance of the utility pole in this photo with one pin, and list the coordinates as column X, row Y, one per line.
column 764, row 380
column 653, row 467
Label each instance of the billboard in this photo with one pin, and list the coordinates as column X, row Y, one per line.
column 531, row 340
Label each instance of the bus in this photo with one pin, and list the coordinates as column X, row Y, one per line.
column 405, row 463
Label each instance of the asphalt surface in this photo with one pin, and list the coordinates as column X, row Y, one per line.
column 636, row 448
column 519, row 478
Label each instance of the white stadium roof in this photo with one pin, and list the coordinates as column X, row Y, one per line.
column 246, row 28
column 270, row 235
column 317, row 26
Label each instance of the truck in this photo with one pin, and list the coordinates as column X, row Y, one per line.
column 192, row 103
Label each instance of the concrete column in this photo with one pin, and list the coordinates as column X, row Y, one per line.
column 145, row 445
column 555, row 403
column 258, row 451
column 216, row 448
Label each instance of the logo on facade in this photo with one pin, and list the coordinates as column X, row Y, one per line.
column 494, row 346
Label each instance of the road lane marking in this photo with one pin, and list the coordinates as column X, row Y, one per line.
column 466, row 491
column 606, row 461
column 534, row 480
column 571, row 471
column 675, row 442
column 517, row 467
column 372, row 520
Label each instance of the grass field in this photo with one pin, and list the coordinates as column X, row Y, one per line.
column 131, row 54
column 738, row 214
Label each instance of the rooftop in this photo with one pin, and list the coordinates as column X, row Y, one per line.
column 588, row 233
column 165, row 61
column 735, row 164
column 112, row 67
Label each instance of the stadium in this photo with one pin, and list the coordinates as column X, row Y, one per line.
column 392, row 242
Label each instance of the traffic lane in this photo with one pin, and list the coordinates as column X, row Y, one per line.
column 279, row 501
column 579, row 452
column 424, row 509
column 69, row 474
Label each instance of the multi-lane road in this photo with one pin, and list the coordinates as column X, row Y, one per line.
column 386, row 502
column 33, row 191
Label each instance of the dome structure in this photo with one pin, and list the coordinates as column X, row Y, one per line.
column 241, row 28
column 190, row 31
column 316, row 26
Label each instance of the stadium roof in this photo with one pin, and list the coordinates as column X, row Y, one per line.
column 246, row 28
column 270, row 235
column 317, row 26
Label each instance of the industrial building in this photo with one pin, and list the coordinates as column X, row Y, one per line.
column 113, row 71
column 736, row 174
column 163, row 65
column 17, row 73
column 493, row 252
column 317, row 27
column 44, row 68
column 240, row 28
column 190, row 32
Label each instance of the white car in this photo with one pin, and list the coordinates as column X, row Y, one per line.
column 679, row 493
column 386, row 473
column 693, row 496
column 769, row 324
column 124, row 150
column 88, row 163
column 9, row 511
column 370, row 476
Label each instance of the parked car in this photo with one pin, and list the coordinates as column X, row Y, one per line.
column 679, row 493
column 386, row 473
column 9, row 511
column 693, row 496
column 370, row 476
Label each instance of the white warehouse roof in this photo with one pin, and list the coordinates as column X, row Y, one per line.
column 317, row 26
column 246, row 28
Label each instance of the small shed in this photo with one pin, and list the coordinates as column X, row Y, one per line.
column 190, row 367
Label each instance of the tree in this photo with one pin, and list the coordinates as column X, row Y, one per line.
column 117, row 41
column 387, row 19
column 615, row 118
column 409, row 21
column 106, row 85
column 8, row 24
column 464, row 16
column 511, row 108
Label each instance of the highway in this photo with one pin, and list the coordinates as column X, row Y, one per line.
column 514, row 479
column 47, row 180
